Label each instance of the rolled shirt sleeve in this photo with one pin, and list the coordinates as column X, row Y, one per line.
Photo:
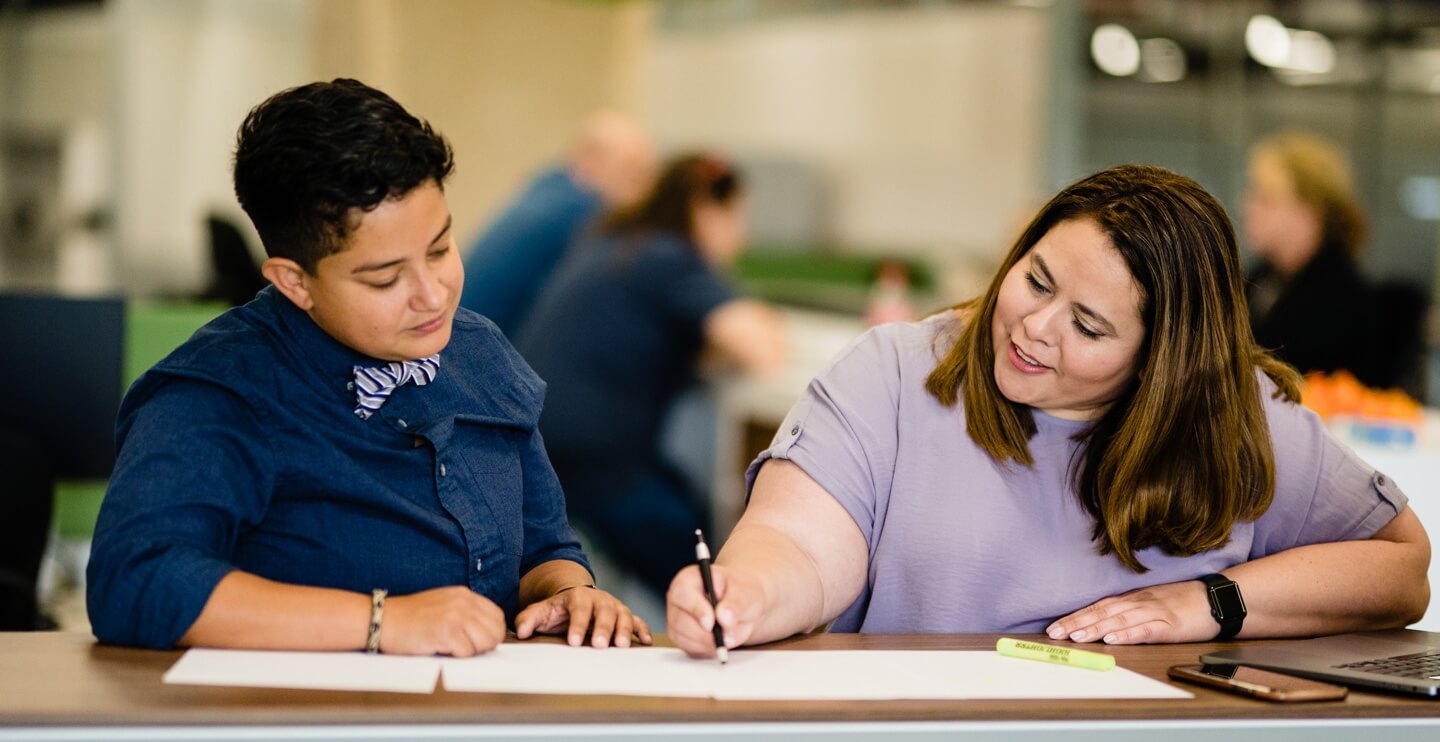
column 194, row 470
column 1324, row 492
column 843, row 432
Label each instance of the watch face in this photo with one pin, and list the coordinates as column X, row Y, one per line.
column 1226, row 603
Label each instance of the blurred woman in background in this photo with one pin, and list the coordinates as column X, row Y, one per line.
column 618, row 333
column 1309, row 303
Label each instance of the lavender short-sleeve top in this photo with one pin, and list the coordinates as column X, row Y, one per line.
column 961, row 543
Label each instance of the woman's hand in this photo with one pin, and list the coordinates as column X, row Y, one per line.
column 1161, row 614
column 578, row 610
column 689, row 619
column 446, row 620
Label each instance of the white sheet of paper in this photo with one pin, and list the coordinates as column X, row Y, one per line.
column 308, row 670
column 556, row 668
column 790, row 675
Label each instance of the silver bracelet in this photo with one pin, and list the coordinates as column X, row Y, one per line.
column 377, row 611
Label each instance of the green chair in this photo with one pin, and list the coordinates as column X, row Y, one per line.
column 152, row 330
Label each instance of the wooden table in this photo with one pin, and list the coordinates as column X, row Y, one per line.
column 56, row 686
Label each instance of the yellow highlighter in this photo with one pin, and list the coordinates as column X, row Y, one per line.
column 1057, row 655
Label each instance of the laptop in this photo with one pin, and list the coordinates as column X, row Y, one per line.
column 1396, row 660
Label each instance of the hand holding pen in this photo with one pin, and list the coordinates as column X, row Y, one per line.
column 702, row 558
column 731, row 598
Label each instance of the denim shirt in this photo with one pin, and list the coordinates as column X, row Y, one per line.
column 241, row 450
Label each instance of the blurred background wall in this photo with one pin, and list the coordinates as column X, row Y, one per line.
column 923, row 128
column 926, row 125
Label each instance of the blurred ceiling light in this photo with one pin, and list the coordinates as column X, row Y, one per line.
column 1161, row 60
column 1310, row 52
column 1297, row 56
column 1115, row 50
column 1267, row 40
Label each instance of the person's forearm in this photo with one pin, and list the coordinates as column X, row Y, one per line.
column 246, row 611
column 1333, row 588
column 794, row 593
column 548, row 578
column 748, row 333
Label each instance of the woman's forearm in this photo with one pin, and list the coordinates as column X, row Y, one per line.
column 1345, row 586
column 791, row 586
column 798, row 550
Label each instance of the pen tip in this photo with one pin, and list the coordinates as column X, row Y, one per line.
column 722, row 655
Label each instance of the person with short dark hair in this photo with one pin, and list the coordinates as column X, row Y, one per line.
column 1092, row 449
column 350, row 460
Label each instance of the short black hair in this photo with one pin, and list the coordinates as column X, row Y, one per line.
column 308, row 155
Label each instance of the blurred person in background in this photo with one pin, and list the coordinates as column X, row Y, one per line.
column 619, row 332
column 611, row 165
column 1308, row 301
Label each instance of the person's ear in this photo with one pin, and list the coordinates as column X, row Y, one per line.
column 289, row 279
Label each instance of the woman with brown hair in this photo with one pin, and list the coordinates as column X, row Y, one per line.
column 1095, row 448
column 618, row 333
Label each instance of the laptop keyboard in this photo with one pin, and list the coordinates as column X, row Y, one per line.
column 1418, row 665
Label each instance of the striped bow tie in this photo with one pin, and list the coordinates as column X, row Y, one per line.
column 373, row 385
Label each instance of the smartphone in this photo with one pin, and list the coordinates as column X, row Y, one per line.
column 1249, row 681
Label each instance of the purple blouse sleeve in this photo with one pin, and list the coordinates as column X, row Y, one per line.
column 1324, row 492
column 843, row 430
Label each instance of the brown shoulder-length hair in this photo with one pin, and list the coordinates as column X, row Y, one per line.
column 1184, row 453
column 686, row 181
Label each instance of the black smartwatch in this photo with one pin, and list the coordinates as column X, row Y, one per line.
column 1226, row 605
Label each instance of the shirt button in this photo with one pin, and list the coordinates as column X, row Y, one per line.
column 442, row 473
column 350, row 385
column 478, row 564
column 402, row 423
column 1380, row 479
column 795, row 430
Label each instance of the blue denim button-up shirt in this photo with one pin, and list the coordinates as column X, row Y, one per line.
column 241, row 450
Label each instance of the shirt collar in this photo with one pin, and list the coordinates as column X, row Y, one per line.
column 333, row 361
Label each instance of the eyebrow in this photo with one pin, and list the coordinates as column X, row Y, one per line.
column 372, row 267
column 1081, row 308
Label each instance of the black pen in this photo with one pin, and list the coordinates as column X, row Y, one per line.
column 702, row 557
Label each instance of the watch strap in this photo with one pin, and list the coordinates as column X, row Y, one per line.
column 1226, row 604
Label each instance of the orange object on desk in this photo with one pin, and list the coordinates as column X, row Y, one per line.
column 1340, row 393
column 1381, row 416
